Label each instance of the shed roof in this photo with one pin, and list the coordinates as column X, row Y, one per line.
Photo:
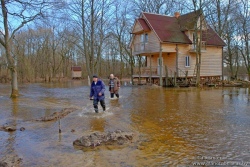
column 76, row 68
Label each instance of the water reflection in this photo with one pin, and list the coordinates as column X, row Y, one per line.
column 8, row 139
column 175, row 126
column 97, row 124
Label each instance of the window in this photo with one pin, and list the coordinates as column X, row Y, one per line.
column 187, row 62
column 144, row 38
column 203, row 45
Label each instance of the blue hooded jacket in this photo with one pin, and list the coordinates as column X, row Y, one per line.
column 97, row 88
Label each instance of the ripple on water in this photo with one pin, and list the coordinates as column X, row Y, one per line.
column 178, row 125
column 89, row 112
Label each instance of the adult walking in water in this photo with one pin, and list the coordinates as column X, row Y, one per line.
column 97, row 93
column 114, row 86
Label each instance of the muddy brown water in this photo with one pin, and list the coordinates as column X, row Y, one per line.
column 174, row 126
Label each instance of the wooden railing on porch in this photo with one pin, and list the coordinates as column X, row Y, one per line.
column 170, row 75
column 155, row 71
column 145, row 71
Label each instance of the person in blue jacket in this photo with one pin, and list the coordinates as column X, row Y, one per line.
column 97, row 93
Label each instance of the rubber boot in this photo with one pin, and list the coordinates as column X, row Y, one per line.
column 95, row 104
column 103, row 105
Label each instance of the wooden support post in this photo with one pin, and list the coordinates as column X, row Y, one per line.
column 186, row 75
column 177, row 57
column 175, row 75
column 150, row 61
column 160, row 65
column 166, row 72
column 139, row 79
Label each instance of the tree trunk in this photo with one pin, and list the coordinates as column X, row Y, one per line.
column 12, row 67
column 14, row 92
column 131, row 66
column 87, row 58
column 6, row 43
column 92, row 33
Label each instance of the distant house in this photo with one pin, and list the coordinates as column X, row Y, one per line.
column 76, row 72
column 169, row 47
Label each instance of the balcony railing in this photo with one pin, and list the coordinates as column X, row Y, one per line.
column 147, row 47
column 155, row 71
column 194, row 46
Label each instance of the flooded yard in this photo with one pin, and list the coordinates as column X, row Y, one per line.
column 173, row 126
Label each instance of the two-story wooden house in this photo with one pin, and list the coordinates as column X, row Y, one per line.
column 168, row 44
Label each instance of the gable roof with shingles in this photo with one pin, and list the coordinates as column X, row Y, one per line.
column 212, row 38
column 144, row 25
column 188, row 21
column 166, row 28
column 170, row 29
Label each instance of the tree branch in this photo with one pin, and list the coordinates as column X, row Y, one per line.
column 23, row 23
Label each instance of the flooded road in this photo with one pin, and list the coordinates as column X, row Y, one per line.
column 174, row 126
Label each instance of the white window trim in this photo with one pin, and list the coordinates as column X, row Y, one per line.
column 187, row 64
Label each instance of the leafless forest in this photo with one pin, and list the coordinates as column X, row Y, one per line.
column 41, row 40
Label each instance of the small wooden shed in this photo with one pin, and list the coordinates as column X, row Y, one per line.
column 76, row 72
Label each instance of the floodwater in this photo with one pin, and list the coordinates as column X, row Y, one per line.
column 173, row 126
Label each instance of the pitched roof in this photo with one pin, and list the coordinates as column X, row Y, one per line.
column 212, row 38
column 188, row 21
column 143, row 24
column 76, row 68
column 166, row 28
column 171, row 29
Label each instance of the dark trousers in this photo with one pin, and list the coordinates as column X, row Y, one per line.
column 102, row 102
column 112, row 95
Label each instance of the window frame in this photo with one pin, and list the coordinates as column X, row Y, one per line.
column 187, row 61
column 142, row 38
column 146, row 38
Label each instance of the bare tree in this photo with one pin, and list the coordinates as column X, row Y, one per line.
column 92, row 23
column 153, row 6
column 244, row 33
column 20, row 15
column 198, row 7
column 221, row 15
column 121, row 33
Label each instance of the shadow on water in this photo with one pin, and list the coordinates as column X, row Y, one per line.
column 174, row 126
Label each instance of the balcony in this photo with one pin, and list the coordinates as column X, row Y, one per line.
column 193, row 48
column 144, row 72
column 148, row 47
column 155, row 72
